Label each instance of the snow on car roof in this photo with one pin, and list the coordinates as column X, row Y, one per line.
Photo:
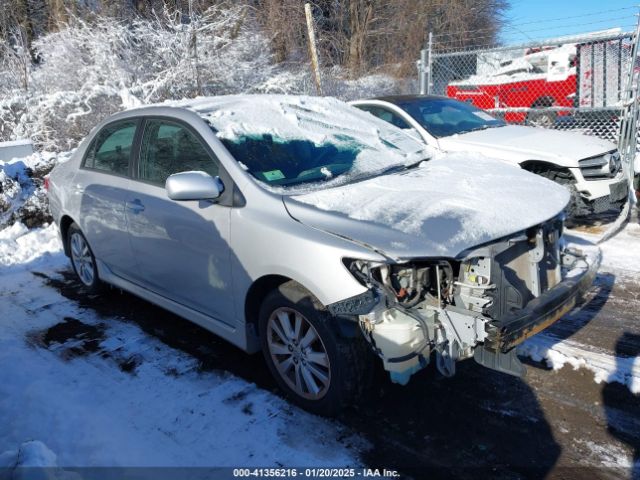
column 321, row 120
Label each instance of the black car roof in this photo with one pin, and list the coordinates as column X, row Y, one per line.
column 396, row 99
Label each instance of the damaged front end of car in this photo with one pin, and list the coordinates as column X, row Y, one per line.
column 481, row 304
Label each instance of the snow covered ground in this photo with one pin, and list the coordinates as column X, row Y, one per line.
column 621, row 257
column 111, row 395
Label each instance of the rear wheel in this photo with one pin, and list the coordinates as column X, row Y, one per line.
column 316, row 366
column 542, row 119
column 82, row 259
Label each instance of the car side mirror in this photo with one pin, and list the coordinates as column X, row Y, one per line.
column 193, row 186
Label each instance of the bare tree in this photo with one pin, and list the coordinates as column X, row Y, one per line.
column 361, row 35
column 58, row 13
column 15, row 59
column 379, row 34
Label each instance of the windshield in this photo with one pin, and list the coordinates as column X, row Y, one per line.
column 293, row 144
column 291, row 162
column 443, row 117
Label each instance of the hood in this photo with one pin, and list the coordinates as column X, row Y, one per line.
column 530, row 143
column 439, row 209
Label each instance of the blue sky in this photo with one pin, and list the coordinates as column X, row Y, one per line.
column 538, row 19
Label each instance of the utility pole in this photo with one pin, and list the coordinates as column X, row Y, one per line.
column 315, row 64
column 422, row 71
column 627, row 142
column 193, row 41
column 430, row 63
column 424, row 66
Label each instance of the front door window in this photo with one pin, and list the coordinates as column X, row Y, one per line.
column 169, row 148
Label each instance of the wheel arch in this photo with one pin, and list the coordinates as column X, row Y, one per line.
column 540, row 166
column 255, row 296
column 65, row 223
column 543, row 101
column 253, row 300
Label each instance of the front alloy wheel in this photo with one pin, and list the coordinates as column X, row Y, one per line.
column 319, row 363
column 298, row 353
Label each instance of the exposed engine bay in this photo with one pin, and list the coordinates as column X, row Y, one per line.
column 472, row 307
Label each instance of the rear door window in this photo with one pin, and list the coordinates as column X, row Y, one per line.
column 111, row 149
column 169, row 148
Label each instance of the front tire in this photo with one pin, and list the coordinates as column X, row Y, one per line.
column 313, row 363
column 82, row 259
column 577, row 207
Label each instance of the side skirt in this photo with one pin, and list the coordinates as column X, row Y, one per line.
column 235, row 336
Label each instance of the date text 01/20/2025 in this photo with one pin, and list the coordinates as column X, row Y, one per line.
column 314, row 472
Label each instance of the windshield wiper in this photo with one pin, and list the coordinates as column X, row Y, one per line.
column 493, row 126
column 361, row 177
column 477, row 129
column 402, row 167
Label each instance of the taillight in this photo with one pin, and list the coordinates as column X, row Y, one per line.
column 46, row 183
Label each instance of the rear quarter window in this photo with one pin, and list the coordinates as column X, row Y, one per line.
column 110, row 150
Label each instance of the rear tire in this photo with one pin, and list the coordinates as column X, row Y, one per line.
column 313, row 363
column 541, row 119
column 82, row 259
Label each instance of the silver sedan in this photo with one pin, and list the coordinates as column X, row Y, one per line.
column 326, row 238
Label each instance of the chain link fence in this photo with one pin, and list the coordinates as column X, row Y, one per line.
column 571, row 83
column 586, row 83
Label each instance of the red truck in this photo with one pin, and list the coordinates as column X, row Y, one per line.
column 543, row 77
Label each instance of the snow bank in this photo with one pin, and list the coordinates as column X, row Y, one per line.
column 33, row 460
column 36, row 454
column 20, row 245
column 617, row 256
column 605, row 367
column 610, row 455
column 616, row 252
column 22, row 194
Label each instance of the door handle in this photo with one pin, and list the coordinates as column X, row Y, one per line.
column 135, row 206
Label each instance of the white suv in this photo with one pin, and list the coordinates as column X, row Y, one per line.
column 588, row 166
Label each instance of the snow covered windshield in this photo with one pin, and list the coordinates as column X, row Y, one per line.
column 443, row 117
column 287, row 141
column 291, row 162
